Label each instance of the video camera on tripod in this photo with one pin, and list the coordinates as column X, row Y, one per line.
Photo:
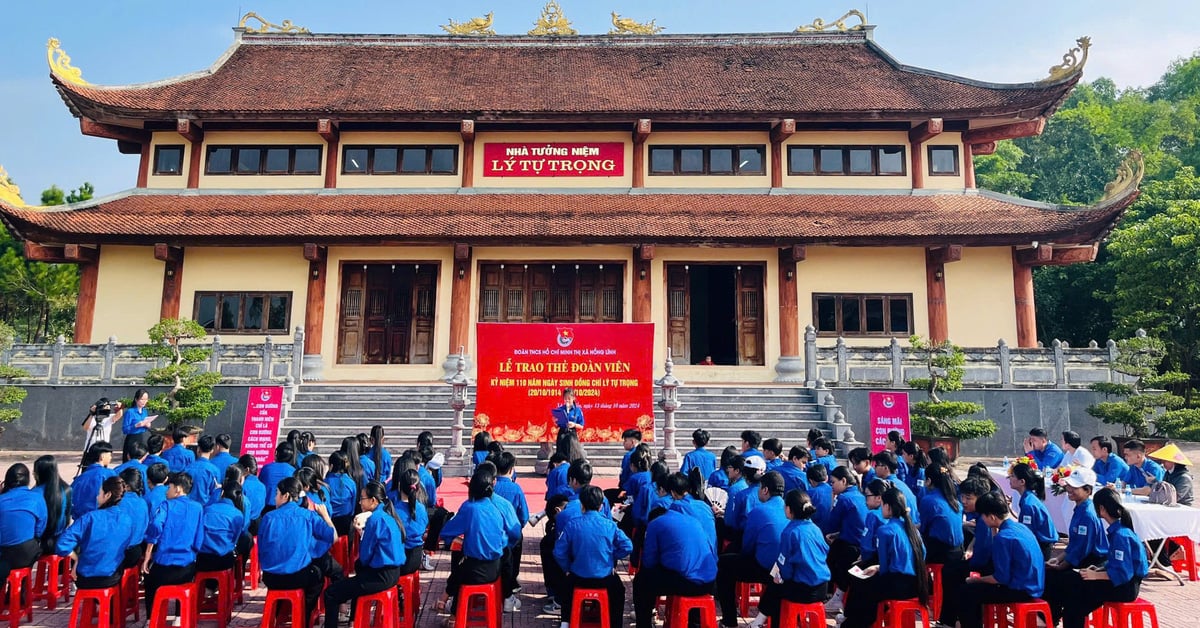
column 100, row 418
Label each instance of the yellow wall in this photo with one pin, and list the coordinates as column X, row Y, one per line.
column 168, row 181
column 269, row 182
column 356, row 138
column 268, row 269
column 624, row 181
column 709, row 138
column 944, row 182
column 862, row 269
column 848, row 138
column 979, row 297
column 128, row 293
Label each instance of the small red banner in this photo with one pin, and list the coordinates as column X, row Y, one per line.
column 261, row 427
column 524, row 367
column 554, row 159
column 889, row 411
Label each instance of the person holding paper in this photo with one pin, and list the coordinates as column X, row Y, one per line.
column 569, row 418
column 901, row 572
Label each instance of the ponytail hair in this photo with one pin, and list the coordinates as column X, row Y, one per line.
column 377, row 492
column 115, row 487
column 1108, row 499
column 290, row 488
column 1034, row 480
column 941, row 482
column 311, row 482
column 377, row 451
column 896, row 502
column 800, row 504
column 231, row 486
column 920, row 460
column 133, row 481
column 17, row 476
column 411, row 488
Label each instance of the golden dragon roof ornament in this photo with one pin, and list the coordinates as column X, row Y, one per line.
column 473, row 26
column 266, row 27
column 838, row 24
column 9, row 192
column 1129, row 175
column 1072, row 62
column 552, row 22
column 626, row 26
column 60, row 64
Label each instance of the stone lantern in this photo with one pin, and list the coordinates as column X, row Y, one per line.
column 669, row 402
column 456, row 458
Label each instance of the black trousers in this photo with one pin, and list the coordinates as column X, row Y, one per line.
column 771, row 601
column 343, row 524
column 309, row 579
column 1092, row 594
column 163, row 575
column 437, row 520
column 412, row 560
column 841, row 558
column 731, row 569
column 973, row 595
column 329, row 567
column 552, row 573
column 954, row 573
column 133, row 557
column 469, row 570
column 213, row 562
column 865, row 596
column 652, row 582
column 98, row 582
column 729, row 539
column 616, row 595
column 18, row 556
column 365, row 581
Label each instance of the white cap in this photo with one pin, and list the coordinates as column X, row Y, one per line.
column 756, row 462
column 1081, row 477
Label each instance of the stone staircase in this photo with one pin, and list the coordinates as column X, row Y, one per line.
column 333, row 411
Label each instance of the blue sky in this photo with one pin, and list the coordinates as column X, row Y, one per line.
column 128, row 41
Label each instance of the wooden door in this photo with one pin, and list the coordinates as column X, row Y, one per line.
column 377, row 317
column 400, row 314
column 749, row 299
column 350, row 315
column 679, row 324
column 424, row 291
column 514, row 293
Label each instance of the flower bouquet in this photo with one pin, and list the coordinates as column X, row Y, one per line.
column 1023, row 460
column 1058, row 480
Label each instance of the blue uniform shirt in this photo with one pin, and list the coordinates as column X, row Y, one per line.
column 204, row 480
column 481, row 524
column 574, row 509
column 416, row 521
column 702, row 513
column 914, row 504
column 827, row 461
column 670, row 544
column 1109, row 470
column 1035, row 516
column 222, row 461
column 176, row 531
column 873, row 521
column 647, row 502
column 137, row 512
column 130, row 419
column 739, row 506
column 940, row 520
column 368, row 466
column 512, row 526
column 178, row 457
column 511, row 491
column 22, row 516
column 85, row 491
column 556, row 482
column 97, row 539
column 1085, row 538
column 154, row 497
column 343, row 494
column 802, row 554
column 821, row 497
column 223, row 524
column 256, row 496
column 272, row 473
column 869, row 476
column 64, row 507
column 981, row 553
column 1017, row 558
column 386, row 458
column 623, row 477
column 902, row 469
column 793, row 477
column 915, row 480
column 894, row 551
column 637, row 483
column 382, row 541
column 286, row 536
column 428, row 482
column 1135, row 477
column 764, row 526
column 699, row 458
column 590, row 546
column 134, row 464
column 849, row 517
column 718, row 479
column 1126, row 555
column 1049, row 458
column 563, row 416
column 153, row 459
column 479, row 457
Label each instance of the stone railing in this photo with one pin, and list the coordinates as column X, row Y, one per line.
column 62, row 363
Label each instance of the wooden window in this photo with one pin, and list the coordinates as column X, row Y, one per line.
column 943, row 161
column 855, row 160
column 253, row 160
column 168, row 160
column 244, row 312
column 708, row 160
column 407, row 159
column 863, row 314
column 551, row 293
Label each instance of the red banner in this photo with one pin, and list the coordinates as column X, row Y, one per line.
column 889, row 411
column 261, row 427
column 524, row 367
column 553, row 159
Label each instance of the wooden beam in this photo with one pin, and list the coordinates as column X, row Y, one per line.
column 645, row 252
column 926, row 130
column 935, row 293
column 313, row 252
column 328, row 130
column 917, row 165
column 983, row 148
column 643, row 289
column 112, row 132
column 143, row 176
column 460, row 299
column 167, row 253
column 968, row 166
column 314, row 306
column 1005, row 131
column 1025, row 311
column 42, row 253
column 641, row 131
column 172, row 287
column 462, row 252
column 780, row 131
column 189, row 129
column 193, row 175
column 783, row 129
column 81, row 254
column 797, row 252
column 789, row 302
column 85, row 303
column 945, row 254
column 466, row 129
column 1048, row 255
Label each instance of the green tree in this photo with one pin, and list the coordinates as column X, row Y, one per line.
column 1001, row 171
column 190, row 399
column 10, row 396
column 941, row 417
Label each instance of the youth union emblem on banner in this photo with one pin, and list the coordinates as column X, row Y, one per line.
column 565, row 337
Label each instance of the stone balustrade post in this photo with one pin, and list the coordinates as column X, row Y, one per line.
column 811, row 372
column 298, row 356
column 56, row 359
column 1060, row 367
column 843, row 362
column 110, row 357
column 897, row 363
column 214, row 357
column 1005, row 363
column 268, row 350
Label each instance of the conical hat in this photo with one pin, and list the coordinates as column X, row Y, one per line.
column 1170, row 453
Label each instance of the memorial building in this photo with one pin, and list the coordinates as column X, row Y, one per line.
column 386, row 192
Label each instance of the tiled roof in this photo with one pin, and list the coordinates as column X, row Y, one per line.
column 856, row 218
column 823, row 76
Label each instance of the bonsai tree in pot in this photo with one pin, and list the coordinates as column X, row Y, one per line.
column 942, row 422
column 190, row 398
column 1141, row 401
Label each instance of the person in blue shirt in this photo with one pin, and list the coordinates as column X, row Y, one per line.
column 979, row 552
column 178, row 457
column 135, row 453
column 381, row 554
column 552, row 574
column 820, row 492
column 370, row 472
column 845, row 528
column 1087, row 544
column 759, row 549
column 221, row 458
column 23, row 520
column 900, row 573
column 751, row 441
column 409, row 503
column 685, row 496
column 915, row 460
column 509, row 490
column 673, row 563
column 886, row 465
column 793, row 469
column 1044, row 451
column 772, row 450
column 343, row 493
column 96, row 542
column 253, row 490
column 823, row 450
column 741, row 503
column 873, row 497
column 556, row 477
column 863, row 464
column 135, row 421
column 224, row 521
column 631, row 440
column 354, row 465
column 734, row 469
column 1030, row 486
column 379, row 455
column 486, row 536
column 1120, row 579
column 173, row 538
column 895, row 444
column 286, row 536
column 138, row 513
column 154, row 447
column 699, row 457
column 1108, row 468
column 637, row 479
column 57, row 495
column 587, row 549
column 156, row 489
column 316, row 498
column 803, row 576
column 86, row 486
column 1020, row 570
column 479, row 447
column 272, row 473
column 568, row 417
column 941, row 521
column 1143, row 472
column 205, row 476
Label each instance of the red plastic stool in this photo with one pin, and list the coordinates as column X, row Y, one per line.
column 1188, row 564
column 935, row 584
column 1024, row 614
column 897, row 613
column 13, row 609
column 255, row 570
column 341, row 553
column 491, row 615
column 129, row 593
column 599, row 596
column 679, row 607
column 225, row 595
column 410, row 597
column 188, row 600
column 748, row 593
column 53, row 580
column 797, row 615
column 384, row 605
column 1129, row 614
column 97, row 608
column 276, row 600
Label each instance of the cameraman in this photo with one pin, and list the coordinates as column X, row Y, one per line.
column 98, row 424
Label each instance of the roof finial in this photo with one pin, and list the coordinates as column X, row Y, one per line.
column 552, row 22
column 626, row 26
column 1072, row 61
column 839, row 24
column 473, row 26
column 9, row 192
column 1129, row 175
column 266, row 27
column 60, row 64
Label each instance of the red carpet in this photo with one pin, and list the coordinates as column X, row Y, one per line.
column 453, row 491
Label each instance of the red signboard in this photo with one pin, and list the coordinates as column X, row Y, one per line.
column 524, row 367
column 553, row 159
column 889, row 411
column 261, row 428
